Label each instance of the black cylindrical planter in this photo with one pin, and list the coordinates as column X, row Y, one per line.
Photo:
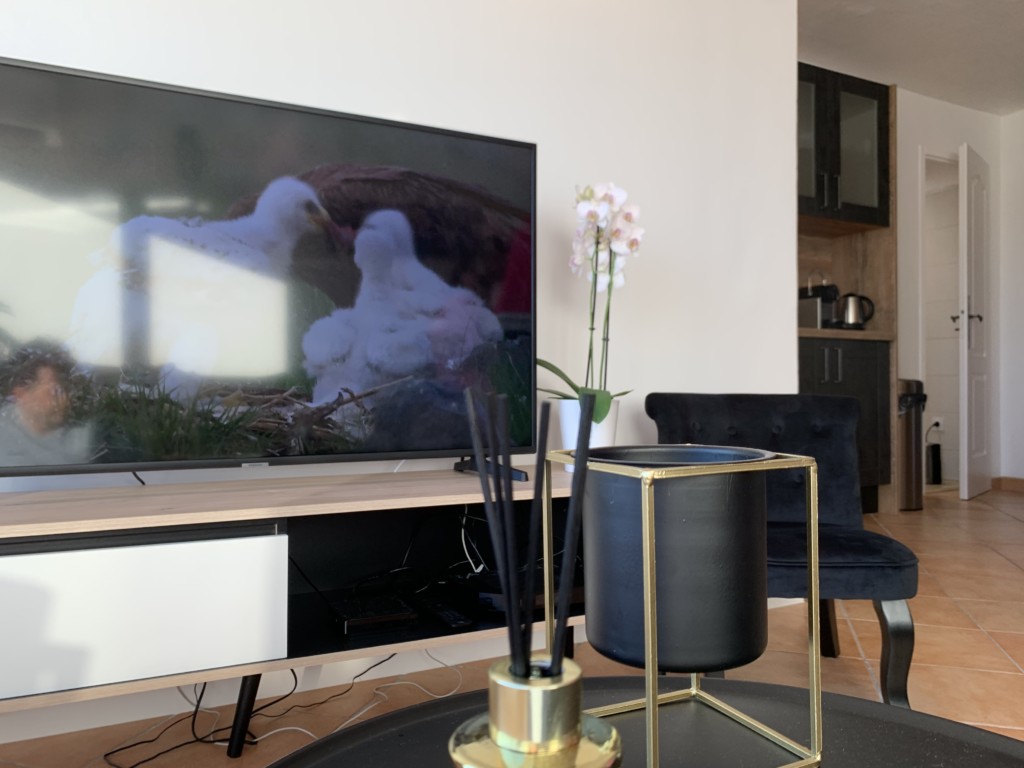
column 710, row 552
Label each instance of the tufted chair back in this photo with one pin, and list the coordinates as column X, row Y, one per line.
column 821, row 426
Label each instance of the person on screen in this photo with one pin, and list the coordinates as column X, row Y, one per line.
column 34, row 414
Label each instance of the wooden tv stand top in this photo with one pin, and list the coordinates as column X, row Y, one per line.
column 49, row 513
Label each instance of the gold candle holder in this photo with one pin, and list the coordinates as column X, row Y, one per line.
column 535, row 722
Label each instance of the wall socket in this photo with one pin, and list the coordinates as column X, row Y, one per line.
column 939, row 423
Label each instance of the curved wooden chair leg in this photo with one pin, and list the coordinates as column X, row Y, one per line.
column 897, row 649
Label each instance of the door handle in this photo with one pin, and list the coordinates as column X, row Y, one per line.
column 826, row 355
column 979, row 318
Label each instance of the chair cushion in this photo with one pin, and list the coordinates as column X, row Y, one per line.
column 853, row 564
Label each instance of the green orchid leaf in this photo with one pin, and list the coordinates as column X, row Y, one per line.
column 560, row 395
column 602, row 397
column 602, row 402
column 560, row 374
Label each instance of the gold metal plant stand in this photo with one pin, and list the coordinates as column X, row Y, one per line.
column 806, row 755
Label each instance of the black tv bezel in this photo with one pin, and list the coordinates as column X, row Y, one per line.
column 173, row 465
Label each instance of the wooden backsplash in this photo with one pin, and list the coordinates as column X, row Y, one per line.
column 863, row 263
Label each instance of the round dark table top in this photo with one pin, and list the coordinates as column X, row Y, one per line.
column 856, row 732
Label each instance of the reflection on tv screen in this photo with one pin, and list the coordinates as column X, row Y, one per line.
column 193, row 279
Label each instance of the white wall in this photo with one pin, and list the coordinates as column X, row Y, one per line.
column 691, row 106
column 929, row 127
column 1011, row 286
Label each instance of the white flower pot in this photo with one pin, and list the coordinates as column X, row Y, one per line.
column 601, row 435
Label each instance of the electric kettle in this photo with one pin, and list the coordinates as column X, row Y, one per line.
column 856, row 310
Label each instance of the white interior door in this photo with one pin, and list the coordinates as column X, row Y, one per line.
column 975, row 359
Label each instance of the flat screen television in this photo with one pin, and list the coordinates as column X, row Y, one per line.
column 191, row 279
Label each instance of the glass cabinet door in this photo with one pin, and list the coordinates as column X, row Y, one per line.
column 807, row 173
column 858, row 150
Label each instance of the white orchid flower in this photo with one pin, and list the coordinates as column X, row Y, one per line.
column 636, row 236
column 619, row 236
column 593, row 211
column 610, row 193
column 628, row 214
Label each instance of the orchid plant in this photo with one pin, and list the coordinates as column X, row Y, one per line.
column 606, row 234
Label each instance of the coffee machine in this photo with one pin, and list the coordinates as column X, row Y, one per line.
column 819, row 306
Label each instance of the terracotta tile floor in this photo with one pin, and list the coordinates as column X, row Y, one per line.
column 968, row 661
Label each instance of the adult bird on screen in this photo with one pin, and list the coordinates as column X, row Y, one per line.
column 180, row 281
column 405, row 321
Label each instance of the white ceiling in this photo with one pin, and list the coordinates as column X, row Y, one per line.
column 967, row 52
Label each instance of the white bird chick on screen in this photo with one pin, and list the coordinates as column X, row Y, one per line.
column 406, row 320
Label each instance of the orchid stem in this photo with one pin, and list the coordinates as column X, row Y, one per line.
column 588, row 380
column 607, row 323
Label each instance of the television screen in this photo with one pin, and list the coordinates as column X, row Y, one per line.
column 193, row 279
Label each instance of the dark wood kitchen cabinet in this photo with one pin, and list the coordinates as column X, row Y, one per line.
column 843, row 152
column 834, row 366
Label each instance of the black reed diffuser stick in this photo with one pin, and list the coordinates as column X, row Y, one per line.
column 529, row 591
column 572, row 533
column 500, row 517
column 503, row 480
column 494, row 522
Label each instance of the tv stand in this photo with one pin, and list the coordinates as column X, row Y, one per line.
column 293, row 512
column 469, row 465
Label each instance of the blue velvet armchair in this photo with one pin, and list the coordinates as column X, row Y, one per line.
column 854, row 563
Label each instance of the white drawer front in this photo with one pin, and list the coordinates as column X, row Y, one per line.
column 89, row 617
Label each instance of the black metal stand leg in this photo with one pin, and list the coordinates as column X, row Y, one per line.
column 829, row 628
column 243, row 712
column 897, row 649
column 570, row 642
